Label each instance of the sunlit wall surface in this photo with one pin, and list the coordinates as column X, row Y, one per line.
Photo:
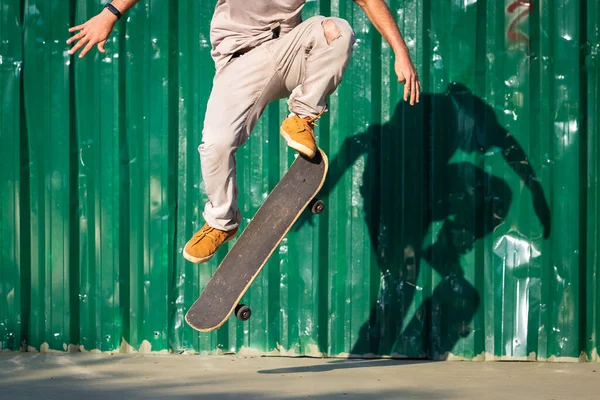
column 464, row 227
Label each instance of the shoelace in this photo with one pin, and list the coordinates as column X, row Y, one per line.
column 308, row 122
column 204, row 232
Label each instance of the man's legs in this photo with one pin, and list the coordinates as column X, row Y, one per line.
column 241, row 91
column 308, row 63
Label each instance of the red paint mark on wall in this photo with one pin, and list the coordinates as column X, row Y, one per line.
column 521, row 10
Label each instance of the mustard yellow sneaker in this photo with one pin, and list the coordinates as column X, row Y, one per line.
column 204, row 244
column 299, row 133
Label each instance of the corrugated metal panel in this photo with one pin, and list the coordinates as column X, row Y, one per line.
column 47, row 96
column 434, row 238
column 13, row 222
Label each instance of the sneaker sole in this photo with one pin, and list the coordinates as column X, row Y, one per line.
column 299, row 147
column 201, row 260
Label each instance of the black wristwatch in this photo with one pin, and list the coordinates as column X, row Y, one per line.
column 113, row 10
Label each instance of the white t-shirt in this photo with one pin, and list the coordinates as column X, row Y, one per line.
column 242, row 24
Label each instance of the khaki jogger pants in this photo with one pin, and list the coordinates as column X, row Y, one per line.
column 302, row 65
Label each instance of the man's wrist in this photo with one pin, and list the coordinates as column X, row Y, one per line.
column 401, row 51
column 111, row 7
column 109, row 15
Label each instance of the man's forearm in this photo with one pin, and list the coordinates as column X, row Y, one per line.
column 381, row 17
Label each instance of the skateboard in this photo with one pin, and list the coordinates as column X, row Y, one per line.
column 273, row 220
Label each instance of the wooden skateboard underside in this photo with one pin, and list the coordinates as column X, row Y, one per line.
column 258, row 241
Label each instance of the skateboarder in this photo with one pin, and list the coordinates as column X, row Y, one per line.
column 262, row 52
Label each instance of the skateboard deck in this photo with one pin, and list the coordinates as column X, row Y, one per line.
column 256, row 244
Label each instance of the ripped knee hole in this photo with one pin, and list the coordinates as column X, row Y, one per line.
column 330, row 30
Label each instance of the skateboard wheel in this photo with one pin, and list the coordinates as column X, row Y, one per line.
column 317, row 206
column 243, row 312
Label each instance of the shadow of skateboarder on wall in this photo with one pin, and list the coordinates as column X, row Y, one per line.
column 427, row 188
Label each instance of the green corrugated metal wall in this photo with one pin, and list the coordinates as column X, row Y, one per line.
column 433, row 243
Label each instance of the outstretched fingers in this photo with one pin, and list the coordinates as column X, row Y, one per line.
column 85, row 39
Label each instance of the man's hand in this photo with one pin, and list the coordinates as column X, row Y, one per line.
column 381, row 17
column 93, row 32
column 408, row 75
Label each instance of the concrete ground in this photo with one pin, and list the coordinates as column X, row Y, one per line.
column 90, row 376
